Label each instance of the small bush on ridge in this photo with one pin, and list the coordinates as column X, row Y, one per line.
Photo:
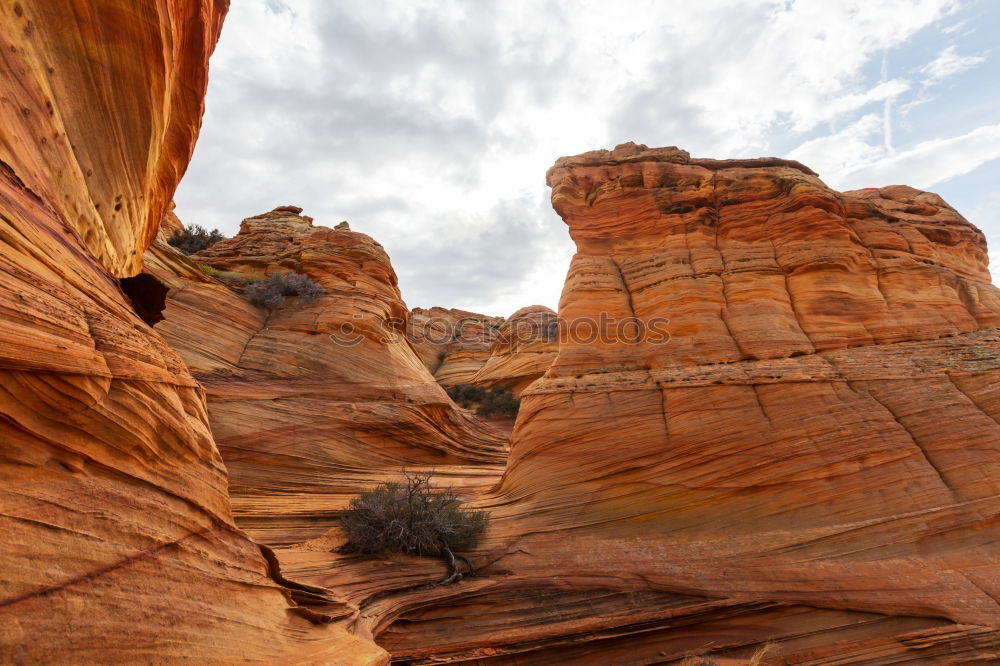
column 195, row 238
column 272, row 292
column 412, row 518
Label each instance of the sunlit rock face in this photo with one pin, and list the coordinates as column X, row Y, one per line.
column 118, row 541
column 524, row 349
column 453, row 344
column 818, row 431
column 809, row 458
column 311, row 401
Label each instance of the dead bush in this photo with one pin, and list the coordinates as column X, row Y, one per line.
column 412, row 518
column 499, row 401
column 271, row 293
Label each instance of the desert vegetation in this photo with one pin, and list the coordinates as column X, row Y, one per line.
column 498, row 401
column 195, row 238
column 412, row 518
column 272, row 292
column 210, row 271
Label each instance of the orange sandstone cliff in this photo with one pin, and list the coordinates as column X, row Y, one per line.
column 813, row 455
column 312, row 401
column 808, row 460
column 119, row 542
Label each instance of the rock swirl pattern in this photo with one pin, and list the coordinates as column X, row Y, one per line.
column 311, row 402
column 814, row 454
column 119, row 544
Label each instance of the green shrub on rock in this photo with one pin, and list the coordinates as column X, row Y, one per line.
column 194, row 238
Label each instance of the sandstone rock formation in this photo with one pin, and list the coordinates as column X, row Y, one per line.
column 453, row 344
column 171, row 224
column 794, row 440
column 808, row 460
column 119, row 544
column 461, row 347
column 813, row 456
column 523, row 351
column 311, row 402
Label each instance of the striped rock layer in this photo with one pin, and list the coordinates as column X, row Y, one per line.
column 525, row 347
column 119, row 542
column 311, row 402
column 812, row 455
column 807, row 462
column 453, row 344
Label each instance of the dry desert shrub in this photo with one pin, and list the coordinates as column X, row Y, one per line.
column 757, row 659
column 271, row 292
column 412, row 518
column 493, row 402
column 195, row 238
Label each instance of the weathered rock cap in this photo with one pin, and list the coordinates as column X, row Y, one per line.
column 638, row 152
column 282, row 216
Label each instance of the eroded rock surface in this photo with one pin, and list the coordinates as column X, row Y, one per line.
column 453, row 344
column 312, row 401
column 810, row 459
column 461, row 347
column 524, row 349
column 119, row 544
column 820, row 430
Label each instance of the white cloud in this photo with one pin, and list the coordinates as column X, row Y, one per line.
column 926, row 164
column 948, row 63
column 430, row 124
column 840, row 152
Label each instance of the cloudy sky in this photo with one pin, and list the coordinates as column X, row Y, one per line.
column 429, row 124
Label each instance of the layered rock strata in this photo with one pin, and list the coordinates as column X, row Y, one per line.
column 119, row 542
column 453, row 344
column 806, row 457
column 819, row 428
column 524, row 349
column 311, row 401
column 461, row 347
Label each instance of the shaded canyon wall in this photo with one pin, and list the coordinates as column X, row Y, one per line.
column 119, row 543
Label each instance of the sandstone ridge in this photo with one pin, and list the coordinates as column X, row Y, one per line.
column 525, row 347
column 311, row 401
column 453, row 344
column 819, row 435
